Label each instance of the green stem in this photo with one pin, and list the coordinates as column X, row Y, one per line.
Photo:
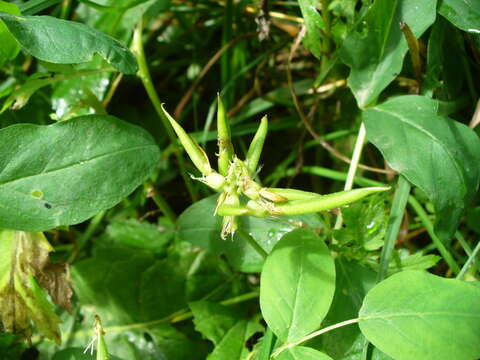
column 144, row 75
column 396, row 215
column 251, row 241
column 470, row 261
column 162, row 203
column 327, row 35
column 315, row 334
column 357, row 151
column 438, row 243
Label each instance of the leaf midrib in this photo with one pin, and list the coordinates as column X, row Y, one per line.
column 436, row 140
column 77, row 163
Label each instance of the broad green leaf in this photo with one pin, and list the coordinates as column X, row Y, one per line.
column 64, row 173
column 171, row 344
column 67, row 42
column 416, row 315
column 213, row 320
column 303, row 353
column 110, row 281
column 10, row 47
column 375, row 51
column 314, row 23
column 139, row 234
column 353, row 281
column 22, row 300
column 200, row 227
column 297, row 285
column 442, row 76
column 463, row 14
column 232, row 346
column 437, row 154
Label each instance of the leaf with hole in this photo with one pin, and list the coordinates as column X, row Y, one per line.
column 64, row 173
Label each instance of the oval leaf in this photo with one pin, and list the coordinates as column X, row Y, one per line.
column 376, row 50
column 64, row 173
column 303, row 353
column 416, row 315
column 438, row 155
column 297, row 285
column 10, row 47
column 67, row 42
column 199, row 226
column 463, row 14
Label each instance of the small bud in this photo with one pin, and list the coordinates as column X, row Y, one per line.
column 256, row 147
column 225, row 147
column 194, row 151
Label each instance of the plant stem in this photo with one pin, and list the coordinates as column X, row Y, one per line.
column 144, row 75
column 357, row 151
column 470, row 261
column 438, row 243
column 315, row 334
column 251, row 241
column 161, row 203
column 182, row 314
column 396, row 215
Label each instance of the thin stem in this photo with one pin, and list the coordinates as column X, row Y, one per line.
column 315, row 334
column 357, row 151
column 252, row 242
column 438, row 243
column 327, row 43
column 144, row 75
column 396, row 215
column 161, row 203
column 470, row 261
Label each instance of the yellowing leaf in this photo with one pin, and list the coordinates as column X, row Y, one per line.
column 22, row 300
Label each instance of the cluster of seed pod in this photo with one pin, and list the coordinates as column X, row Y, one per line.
column 236, row 178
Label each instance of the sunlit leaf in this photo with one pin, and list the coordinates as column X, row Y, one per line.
column 64, row 173
column 435, row 153
column 67, row 42
column 410, row 315
column 297, row 285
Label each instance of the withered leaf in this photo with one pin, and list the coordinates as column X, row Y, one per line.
column 22, row 301
column 55, row 278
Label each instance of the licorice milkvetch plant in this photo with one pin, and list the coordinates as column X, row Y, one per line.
column 235, row 178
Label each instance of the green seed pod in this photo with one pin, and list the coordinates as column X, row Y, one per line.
column 271, row 195
column 225, row 147
column 293, row 194
column 256, row 209
column 326, row 202
column 232, row 210
column 194, row 151
column 256, row 147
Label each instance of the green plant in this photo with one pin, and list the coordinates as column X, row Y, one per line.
column 248, row 270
